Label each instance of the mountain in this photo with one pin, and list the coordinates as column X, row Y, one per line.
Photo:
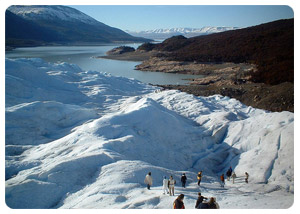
column 36, row 34
column 52, row 13
column 58, row 25
column 187, row 32
column 270, row 46
column 84, row 139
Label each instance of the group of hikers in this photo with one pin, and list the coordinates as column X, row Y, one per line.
column 231, row 174
column 168, row 188
column 169, row 185
column 201, row 202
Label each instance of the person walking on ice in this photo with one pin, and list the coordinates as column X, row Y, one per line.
column 165, row 185
column 171, row 185
column 222, row 178
column 183, row 180
column 228, row 173
column 247, row 177
column 233, row 177
column 148, row 180
column 199, row 177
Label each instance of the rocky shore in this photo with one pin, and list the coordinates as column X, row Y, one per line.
column 227, row 79
column 272, row 98
column 123, row 53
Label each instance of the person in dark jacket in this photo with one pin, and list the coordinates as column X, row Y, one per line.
column 200, row 199
column 178, row 203
column 228, row 173
column 183, row 180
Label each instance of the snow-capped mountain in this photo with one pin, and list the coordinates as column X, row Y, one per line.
column 39, row 12
column 84, row 139
column 187, row 32
column 66, row 25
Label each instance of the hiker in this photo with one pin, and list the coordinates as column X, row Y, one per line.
column 247, row 177
column 183, row 180
column 199, row 200
column 228, row 173
column 148, row 180
column 199, row 177
column 222, row 180
column 171, row 185
column 165, row 185
column 178, row 203
column 233, row 177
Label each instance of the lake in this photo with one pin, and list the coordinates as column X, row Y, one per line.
column 83, row 56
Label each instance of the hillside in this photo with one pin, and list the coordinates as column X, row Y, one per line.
column 270, row 46
column 35, row 35
column 84, row 139
column 58, row 25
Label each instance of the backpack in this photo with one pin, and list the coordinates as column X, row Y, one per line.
column 203, row 206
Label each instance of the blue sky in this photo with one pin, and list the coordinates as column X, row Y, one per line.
column 148, row 17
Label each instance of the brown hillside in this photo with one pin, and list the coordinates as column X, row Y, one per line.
column 270, row 46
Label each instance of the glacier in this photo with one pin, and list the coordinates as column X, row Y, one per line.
column 85, row 139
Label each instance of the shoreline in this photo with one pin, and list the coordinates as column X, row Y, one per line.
column 136, row 56
column 226, row 79
column 275, row 98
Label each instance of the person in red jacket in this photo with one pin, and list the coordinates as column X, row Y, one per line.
column 178, row 203
column 222, row 178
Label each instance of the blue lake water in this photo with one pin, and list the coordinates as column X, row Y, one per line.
column 83, row 56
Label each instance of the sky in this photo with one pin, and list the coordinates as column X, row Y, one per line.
column 150, row 17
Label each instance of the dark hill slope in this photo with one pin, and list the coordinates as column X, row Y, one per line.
column 270, row 46
column 21, row 32
column 59, row 25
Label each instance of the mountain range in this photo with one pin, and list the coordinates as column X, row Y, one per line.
column 187, row 32
column 46, row 25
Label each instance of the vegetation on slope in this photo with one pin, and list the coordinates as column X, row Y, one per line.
column 270, row 46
